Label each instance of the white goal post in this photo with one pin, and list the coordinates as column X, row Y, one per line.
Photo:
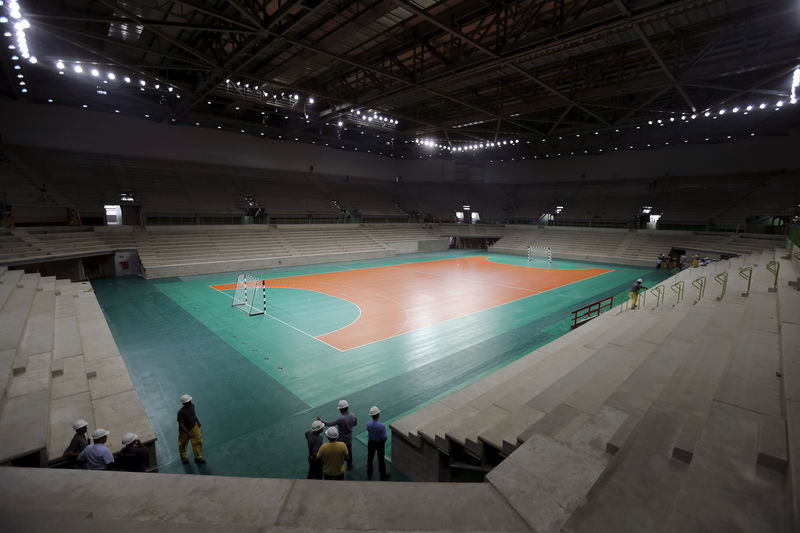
column 540, row 251
column 251, row 295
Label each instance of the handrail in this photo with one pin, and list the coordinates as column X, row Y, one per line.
column 722, row 279
column 746, row 273
column 679, row 291
column 658, row 291
column 774, row 267
column 594, row 308
column 700, row 285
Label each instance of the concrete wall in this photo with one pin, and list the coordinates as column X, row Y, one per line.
column 412, row 247
column 85, row 130
column 191, row 269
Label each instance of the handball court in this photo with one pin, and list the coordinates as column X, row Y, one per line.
column 398, row 299
column 397, row 332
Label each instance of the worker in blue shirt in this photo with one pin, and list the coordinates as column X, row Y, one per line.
column 376, row 443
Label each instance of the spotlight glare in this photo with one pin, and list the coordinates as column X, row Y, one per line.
column 95, row 72
column 112, row 76
column 78, row 69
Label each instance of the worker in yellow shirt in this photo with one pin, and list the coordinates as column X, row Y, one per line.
column 333, row 455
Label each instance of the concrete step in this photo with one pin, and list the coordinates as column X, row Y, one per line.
column 8, row 282
column 546, row 480
column 15, row 312
column 24, row 426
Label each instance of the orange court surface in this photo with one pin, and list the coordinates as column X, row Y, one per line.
column 397, row 299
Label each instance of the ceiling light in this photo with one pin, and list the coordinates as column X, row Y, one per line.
column 311, row 100
column 78, row 69
column 112, row 76
column 95, row 72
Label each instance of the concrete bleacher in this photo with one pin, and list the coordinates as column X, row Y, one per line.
column 58, row 363
column 173, row 251
column 668, row 418
column 674, row 404
column 640, row 247
column 33, row 245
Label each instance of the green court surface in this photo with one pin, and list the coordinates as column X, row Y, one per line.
column 258, row 382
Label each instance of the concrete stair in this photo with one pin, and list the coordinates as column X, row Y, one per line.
column 58, row 363
column 670, row 407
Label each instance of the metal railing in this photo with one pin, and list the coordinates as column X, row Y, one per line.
column 774, row 267
column 587, row 312
column 747, row 274
column 678, row 289
column 722, row 279
column 700, row 285
column 658, row 292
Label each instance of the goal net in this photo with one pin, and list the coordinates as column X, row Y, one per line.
column 251, row 295
column 540, row 252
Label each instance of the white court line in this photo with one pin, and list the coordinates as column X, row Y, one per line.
column 438, row 323
column 287, row 324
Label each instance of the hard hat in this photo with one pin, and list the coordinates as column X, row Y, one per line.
column 317, row 425
column 80, row 423
column 127, row 438
column 186, row 398
column 99, row 433
column 639, row 280
column 343, row 404
column 374, row 410
column 332, row 433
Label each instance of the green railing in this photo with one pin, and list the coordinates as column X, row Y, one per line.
column 700, row 285
column 658, row 292
column 722, row 279
column 774, row 267
column 747, row 274
column 678, row 289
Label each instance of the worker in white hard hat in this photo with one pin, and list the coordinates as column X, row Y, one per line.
column 333, row 455
column 189, row 430
column 77, row 444
column 314, row 441
column 133, row 457
column 376, row 443
column 635, row 292
column 345, row 424
column 97, row 456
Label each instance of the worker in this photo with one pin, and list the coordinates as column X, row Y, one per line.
column 78, row 443
column 376, row 443
column 97, row 456
column 345, row 424
column 133, row 457
column 333, row 455
column 635, row 292
column 189, row 430
column 314, row 442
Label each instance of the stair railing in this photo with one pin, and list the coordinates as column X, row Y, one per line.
column 774, row 267
column 747, row 274
column 700, row 285
column 722, row 279
column 678, row 288
column 658, row 292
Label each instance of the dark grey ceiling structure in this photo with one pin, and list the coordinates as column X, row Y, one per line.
column 484, row 79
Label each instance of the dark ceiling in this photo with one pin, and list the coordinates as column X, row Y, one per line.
column 549, row 78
